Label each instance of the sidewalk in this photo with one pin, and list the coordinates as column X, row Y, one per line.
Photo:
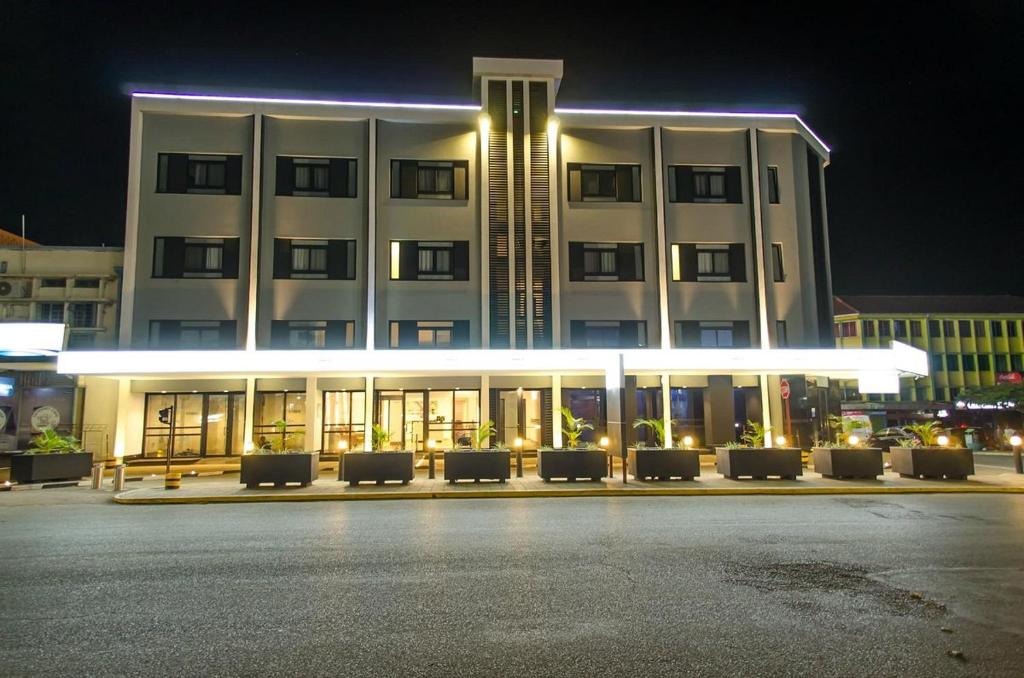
column 227, row 489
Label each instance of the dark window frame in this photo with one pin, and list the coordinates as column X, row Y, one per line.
column 772, row 179
column 457, row 192
column 778, row 263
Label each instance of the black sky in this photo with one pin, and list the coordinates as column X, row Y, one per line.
column 919, row 103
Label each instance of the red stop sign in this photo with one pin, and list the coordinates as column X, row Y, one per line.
column 784, row 389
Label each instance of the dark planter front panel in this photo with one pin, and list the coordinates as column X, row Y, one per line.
column 848, row 462
column 572, row 464
column 39, row 468
column 280, row 469
column 932, row 462
column 663, row 464
column 477, row 465
column 376, row 467
column 758, row 462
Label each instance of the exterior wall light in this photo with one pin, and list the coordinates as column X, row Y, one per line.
column 604, row 442
column 553, row 123
column 485, row 123
column 431, row 444
column 942, row 441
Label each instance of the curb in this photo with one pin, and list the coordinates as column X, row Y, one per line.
column 527, row 494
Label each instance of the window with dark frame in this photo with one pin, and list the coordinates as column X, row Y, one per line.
column 781, row 334
column 608, row 333
column 884, row 329
column 429, row 260
column 984, row 362
column 50, row 312
column 434, row 260
column 713, row 263
column 604, row 261
column 311, row 175
column 952, row 362
column 778, row 267
column 312, row 334
column 968, row 362
column 1001, row 362
column 316, row 177
column 307, row 258
column 192, row 334
column 934, row 329
column 87, row 283
column 867, row 327
column 848, row 328
column 938, row 364
column 603, row 183
column 1017, row 362
column 1011, row 328
column 964, row 328
column 82, row 315
column 915, row 328
column 203, row 256
column 717, row 333
column 979, row 329
column 900, row 328
column 204, row 174
column 704, row 184
column 177, row 257
column 430, row 179
column 949, row 328
column 997, row 328
column 773, row 185
column 53, row 282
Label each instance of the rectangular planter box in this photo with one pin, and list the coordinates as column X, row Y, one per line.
column 572, row 464
column 376, row 467
column 758, row 462
column 280, row 469
column 932, row 462
column 848, row 462
column 39, row 468
column 663, row 464
column 477, row 465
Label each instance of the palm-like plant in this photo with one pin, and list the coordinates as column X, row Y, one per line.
column 574, row 427
column 926, row 432
column 483, row 434
column 379, row 437
column 50, row 442
column 754, row 433
column 657, row 427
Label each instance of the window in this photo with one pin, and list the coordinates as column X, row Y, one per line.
column 884, row 329
column 203, row 174
column 1011, row 328
column 53, row 282
column 848, row 328
column 81, row 340
column 1017, row 363
column 773, row 185
column 429, row 333
column 429, row 260
column 195, row 257
column 968, row 361
column 596, row 261
column 900, row 328
column 1001, row 363
column 709, row 263
column 934, row 329
column 608, row 333
column 311, row 334
column 82, row 315
column 868, row 328
column 273, row 407
column 984, row 363
column 949, row 328
column 192, row 334
column 964, row 327
column 979, row 328
column 204, row 424
column 952, row 362
column 50, row 313
column 778, row 269
column 915, row 328
column 997, row 328
column 604, row 183
column 938, row 365
column 430, row 179
column 333, row 259
column 940, row 393
column 715, row 333
column 781, row 335
column 688, row 183
column 344, row 417
column 87, row 283
column 316, row 177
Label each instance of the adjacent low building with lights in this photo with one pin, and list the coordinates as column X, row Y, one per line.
column 336, row 264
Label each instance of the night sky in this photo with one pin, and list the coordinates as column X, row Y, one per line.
column 920, row 104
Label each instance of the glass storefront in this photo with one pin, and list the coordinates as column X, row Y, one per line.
column 344, row 421
column 588, row 404
column 520, row 415
column 447, row 417
column 205, row 424
column 280, row 420
column 687, row 411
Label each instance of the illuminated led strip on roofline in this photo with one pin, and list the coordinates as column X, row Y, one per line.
column 305, row 102
column 694, row 114
column 844, row 363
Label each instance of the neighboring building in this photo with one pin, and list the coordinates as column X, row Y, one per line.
column 76, row 286
column 381, row 234
column 971, row 341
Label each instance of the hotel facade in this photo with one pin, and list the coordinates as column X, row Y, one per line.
column 310, row 268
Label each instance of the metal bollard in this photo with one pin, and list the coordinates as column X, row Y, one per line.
column 97, row 476
column 119, row 471
column 172, row 480
column 519, row 463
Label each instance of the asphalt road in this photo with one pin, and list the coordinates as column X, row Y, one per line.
column 765, row 586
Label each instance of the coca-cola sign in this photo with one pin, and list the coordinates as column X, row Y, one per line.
column 1008, row 378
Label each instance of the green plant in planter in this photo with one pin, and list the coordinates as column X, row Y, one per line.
column 483, row 434
column 283, row 442
column 657, row 427
column 574, row 428
column 927, row 433
column 379, row 437
column 754, row 433
column 50, row 442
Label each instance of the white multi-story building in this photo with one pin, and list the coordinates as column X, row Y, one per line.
column 338, row 264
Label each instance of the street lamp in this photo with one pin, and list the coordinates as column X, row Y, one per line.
column 1015, row 441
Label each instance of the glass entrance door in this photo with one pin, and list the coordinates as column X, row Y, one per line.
column 519, row 416
column 390, row 416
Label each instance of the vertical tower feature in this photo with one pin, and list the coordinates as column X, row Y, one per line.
column 518, row 97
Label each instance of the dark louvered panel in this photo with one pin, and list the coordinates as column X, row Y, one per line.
column 540, row 215
column 546, row 418
column 497, row 187
column 519, row 209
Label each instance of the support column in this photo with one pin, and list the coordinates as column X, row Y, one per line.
column 662, row 248
column 556, row 413
column 250, row 413
column 614, row 385
column 124, row 391
column 368, row 414
column 254, row 231
column 314, row 416
column 371, row 236
column 131, row 231
column 485, row 222
column 554, row 181
column 666, row 408
column 758, row 240
column 719, row 411
column 485, row 399
column 766, row 410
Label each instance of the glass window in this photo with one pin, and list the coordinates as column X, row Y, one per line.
column 781, row 335
column 309, row 256
column 435, row 260
column 1017, row 363
column 984, row 363
column 600, row 259
column 934, row 329
column 82, row 315
column 307, row 334
column 952, row 362
column 997, row 328
column 884, row 328
column 773, row 185
column 344, row 421
column 87, row 283
column 949, row 328
column 1001, row 363
column 713, row 262
column 979, row 328
column 899, row 328
column 868, row 327
column 778, row 269
column 312, row 175
column 709, row 184
column 203, row 256
column 964, row 327
column 204, row 424
column 1011, row 328
column 52, row 282
column 938, row 364
column 280, row 420
column 968, row 361
column 915, row 328
column 50, row 313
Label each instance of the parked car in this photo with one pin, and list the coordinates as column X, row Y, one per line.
column 889, row 437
